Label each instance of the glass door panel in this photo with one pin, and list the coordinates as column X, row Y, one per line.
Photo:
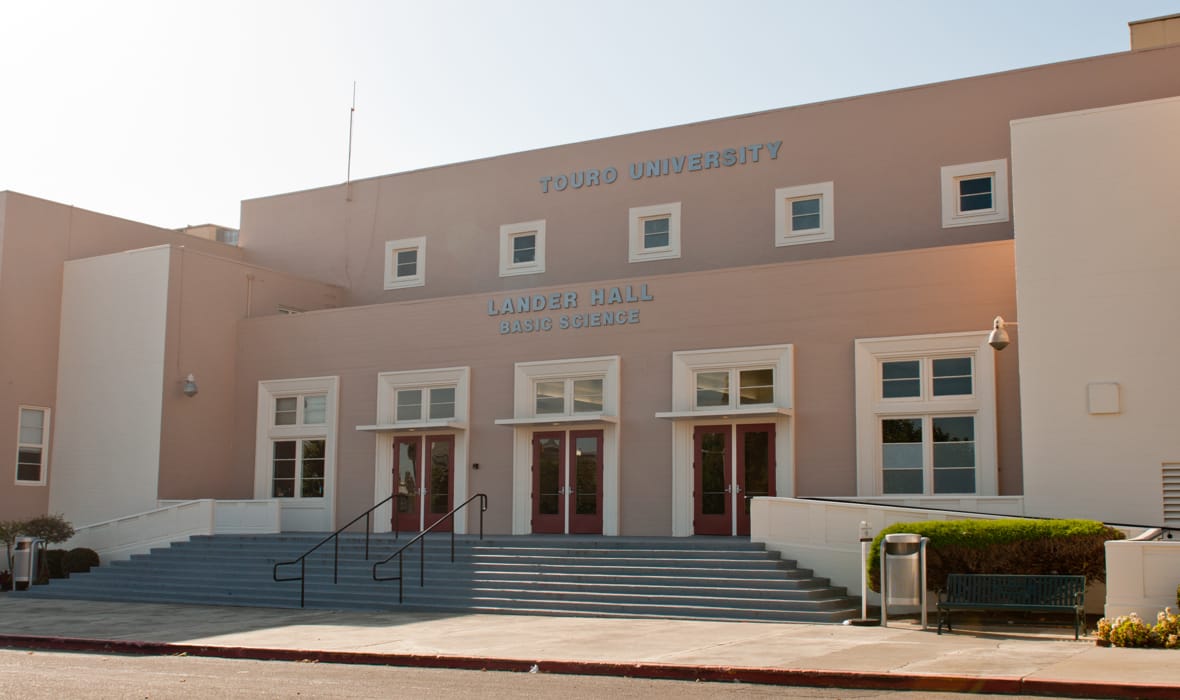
column 755, row 469
column 586, row 465
column 439, row 498
column 406, row 479
column 711, row 481
column 548, row 483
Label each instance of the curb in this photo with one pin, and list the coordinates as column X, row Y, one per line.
column 999, row 685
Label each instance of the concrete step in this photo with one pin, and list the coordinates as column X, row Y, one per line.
column 689, row 578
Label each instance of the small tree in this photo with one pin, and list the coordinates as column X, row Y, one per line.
column 9, row 530
column 51, row 528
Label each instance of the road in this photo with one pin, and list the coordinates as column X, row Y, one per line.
column 41, row 675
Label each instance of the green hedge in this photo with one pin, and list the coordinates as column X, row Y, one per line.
column 1007, row 546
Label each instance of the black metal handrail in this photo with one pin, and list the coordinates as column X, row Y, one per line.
column 483, row 507
column 302, row 559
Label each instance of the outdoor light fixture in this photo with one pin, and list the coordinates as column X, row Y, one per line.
column 998, row 338
column 190, row 386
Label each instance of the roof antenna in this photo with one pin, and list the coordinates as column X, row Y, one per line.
column 348, row 175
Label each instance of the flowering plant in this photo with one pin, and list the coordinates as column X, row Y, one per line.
column 1132, row 631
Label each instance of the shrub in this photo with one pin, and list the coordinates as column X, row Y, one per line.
column 79, row 560
column 54, row 560
column 1006, row 546
column 51, row 528
column 1132, row 631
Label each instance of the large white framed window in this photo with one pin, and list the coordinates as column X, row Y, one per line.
column 32, row 445
column 522, row 248
column 295, row 452
column 926, row 416
column 804, row 214
column 568, row 396
column 405, row 263
column 975, row 193
column 654, row 232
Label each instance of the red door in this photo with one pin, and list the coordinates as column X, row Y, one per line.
column 585, row 494
column 423, row 482
column 712, row 485
column 755, row 469
column 549, row 482
column 407, row 480
column 438, row 498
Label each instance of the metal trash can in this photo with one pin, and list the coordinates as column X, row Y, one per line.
column 903, row 572
column 26, row 561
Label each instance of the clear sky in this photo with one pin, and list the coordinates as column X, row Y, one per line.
column 172, row 113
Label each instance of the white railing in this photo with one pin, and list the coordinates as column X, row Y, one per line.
column 175, row 520
column 1141, row 577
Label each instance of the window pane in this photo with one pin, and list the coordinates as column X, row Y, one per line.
column 757, row 386
column 30, row 436
column 957, row 429
column 409, row 404
column 28, row 464
column 587, row 396
column 524, row 248
column 952, row 376
column 586, row 476
column 283, row 485
column 551, row 397
column 805, row 214
column 285, row 409
column 975, row 194
column 901, row 379
column 712, row 389
column 442, row 403
column 312, row 478
column 655, row 232
column 903, row 481
column 954, row 481
column 954, row 454
column 901, row 455
column 28, row 472
column 407, row 262
column 314, row 409
column 32, row 419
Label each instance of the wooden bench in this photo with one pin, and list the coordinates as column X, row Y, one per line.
column 1048, row 593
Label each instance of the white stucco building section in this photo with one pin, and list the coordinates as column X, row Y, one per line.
column 106, row 450
column 1098, row 279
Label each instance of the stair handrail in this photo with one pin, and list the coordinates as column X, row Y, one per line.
column 302, row 559
column 483, row 507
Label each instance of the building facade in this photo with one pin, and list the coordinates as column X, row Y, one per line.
column 633, row 335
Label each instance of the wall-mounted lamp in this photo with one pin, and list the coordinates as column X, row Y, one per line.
column 190, row 386
column 998, row 338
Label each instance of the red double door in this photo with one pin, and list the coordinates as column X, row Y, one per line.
column 423, row 478
column 731, row 465
column 567, row 482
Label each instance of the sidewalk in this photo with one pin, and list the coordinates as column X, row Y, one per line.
column 1009, row 659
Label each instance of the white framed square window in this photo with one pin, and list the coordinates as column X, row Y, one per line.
column 32, row 445
column 804, row 214
column 975, row 193
column 405, row 263
column 654, row 232
column 522, row 248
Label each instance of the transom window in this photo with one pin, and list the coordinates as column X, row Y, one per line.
column 568, row 396
column 754, row 387
column 298, row 469
column 307, row 409
column 433, row 403
column 926, row 377
column 32, row 445
column 405, row 263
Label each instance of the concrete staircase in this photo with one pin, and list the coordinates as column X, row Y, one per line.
column 657, row 577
